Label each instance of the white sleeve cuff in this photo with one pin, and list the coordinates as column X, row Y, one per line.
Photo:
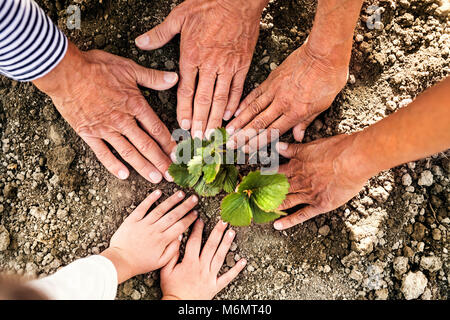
column 92, row 278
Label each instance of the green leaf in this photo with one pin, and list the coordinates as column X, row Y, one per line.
column 230, row 181
column 219, row 180
column 210, row 172
column 267, row 191
column 206, row 190
column 195, row 165
column 236, row 210
column 181, row 175
column 261, row 216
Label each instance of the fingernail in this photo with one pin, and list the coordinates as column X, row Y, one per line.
column 180, row 237
column 180, row 194
column 195, row 212
column 227, row 115
column 168, row 176
column 223, row 222
column 238, row 112
column 170, row 77
column 186, row 124
column 231, row 233
column 122, row 174
column 194, row 198
column 282, row 146
column 230, row 130
column 243, row 262
column 142, row 41
column 278, row 225
column 157, row 192
column 173, row 157
column 155, row 177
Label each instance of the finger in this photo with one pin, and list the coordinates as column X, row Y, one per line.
column 300, row 216
column 237, row 87
column 289, row 150
column 221, row 253
column 141, row 210
column 185, row 94
column 231, row 274
column 262, row 137
column 172, row 262
column 154, row 79
column 292, row 200
column 148, row 148
column 165, row 206
column 182, row 225
column 300, row 128
column 176, row 214
column 161, row 34
column 250, row 112
column 219, row 103
column 194, row 243
column 107, row 158
column 171, row 251
column 155, row 127
column 273, row 132
column 129, row 153
column 202, row 102
column 213, row 242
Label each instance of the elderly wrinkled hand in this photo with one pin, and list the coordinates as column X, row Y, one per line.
column 303, row 86
column 97, row 94
column 321, row 175
column 218, row 38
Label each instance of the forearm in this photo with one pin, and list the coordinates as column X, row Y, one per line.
column 122, row 266
column 31, row 45
column 414, row 132
column 92, row 278
column 332, row 33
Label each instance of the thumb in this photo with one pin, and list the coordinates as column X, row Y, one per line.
column 154, row 79
column 288, row 150
column 161, row 34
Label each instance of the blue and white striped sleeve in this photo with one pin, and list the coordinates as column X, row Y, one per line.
column 30, row 44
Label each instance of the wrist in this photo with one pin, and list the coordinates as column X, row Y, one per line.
column 60, row 81
column 355, row 159
column 123, row 268
column 248, row 8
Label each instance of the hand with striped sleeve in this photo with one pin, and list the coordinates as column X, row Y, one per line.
column 96, row 92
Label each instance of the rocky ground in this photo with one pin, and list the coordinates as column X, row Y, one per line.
column 57, row 203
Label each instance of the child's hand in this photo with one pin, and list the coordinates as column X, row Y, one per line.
column 144, row 243
column 195, row 278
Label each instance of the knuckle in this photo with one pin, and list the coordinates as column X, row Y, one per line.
column 185, row 91
column 146, row 147
column 259, row 123
column 203, row 99
column 156, row 128
column 221, row 98
column 127, row 152
column 255, row 107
